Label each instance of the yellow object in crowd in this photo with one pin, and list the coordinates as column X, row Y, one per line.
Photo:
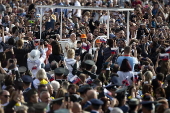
column 18, row 104
column 43, row 81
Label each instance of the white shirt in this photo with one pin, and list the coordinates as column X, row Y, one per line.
column 104, row 18
column 36, row 83
column 124, row 75
column 96, row 17
column 3, row 105
column 77, row 3
column 71, row 44
column 98, row 3
column 69, row 63
column 6, row 38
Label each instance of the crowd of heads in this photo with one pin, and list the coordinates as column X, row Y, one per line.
column 56, row 60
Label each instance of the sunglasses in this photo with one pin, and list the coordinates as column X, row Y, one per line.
column 6, row 96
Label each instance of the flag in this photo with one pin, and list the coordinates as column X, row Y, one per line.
column 89, row 80
column 167, row 50
column 108, row 94
column 84, row 46
column 164, row 56
column 75, row 79
column 136, row 78
column 103, row 40
column 125, row 82
column 114, row 50
column 52, row 78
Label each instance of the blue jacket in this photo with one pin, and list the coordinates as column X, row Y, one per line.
column 88, row 103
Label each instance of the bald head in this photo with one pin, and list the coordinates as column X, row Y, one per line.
column 89, row 36
column 76, row 107
column 91, row 94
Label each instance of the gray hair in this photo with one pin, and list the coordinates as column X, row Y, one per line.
column 65, row 85
column 21, row 108
column 72, row 34
column 116, row 110
column 55, row 85
column 44, row 92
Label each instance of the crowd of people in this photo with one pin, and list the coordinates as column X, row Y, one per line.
column 90, row 72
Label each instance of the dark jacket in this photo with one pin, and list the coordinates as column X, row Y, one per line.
column 57, row 58
column 78, row 51
column 29, row 104
column 107, row 54
column 156, row 84
column 91, row 26
column 21, row 55
column 9, row 107
column 99, row 62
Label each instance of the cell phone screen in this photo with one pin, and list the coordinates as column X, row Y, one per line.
column 25, row 38
column 66, row 96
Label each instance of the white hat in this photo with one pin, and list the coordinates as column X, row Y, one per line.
column 34, row 55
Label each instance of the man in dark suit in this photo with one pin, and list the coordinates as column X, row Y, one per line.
column 27, row 80
column 60, row 74
column 96, row 105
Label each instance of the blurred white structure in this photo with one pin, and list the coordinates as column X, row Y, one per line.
column 86, row 8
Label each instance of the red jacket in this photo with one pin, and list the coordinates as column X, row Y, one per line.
column 48, row 52
column 134, row 3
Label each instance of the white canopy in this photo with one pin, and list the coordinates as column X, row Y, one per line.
column 87, row 8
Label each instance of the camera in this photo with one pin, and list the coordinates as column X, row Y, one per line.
column 66, row 96
column 146, row 67
column 11, row 61
column 133, row 46
column 92, row 75
column 144, row 59
column 41, row 42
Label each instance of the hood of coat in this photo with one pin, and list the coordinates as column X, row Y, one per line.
column 70, row 61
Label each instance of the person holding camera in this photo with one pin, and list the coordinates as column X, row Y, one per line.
column 11, row 65
column 21, row 53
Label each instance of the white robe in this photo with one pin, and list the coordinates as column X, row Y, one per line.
column 37, row 63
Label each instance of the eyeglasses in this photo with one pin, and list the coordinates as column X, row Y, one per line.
column 6, row 96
